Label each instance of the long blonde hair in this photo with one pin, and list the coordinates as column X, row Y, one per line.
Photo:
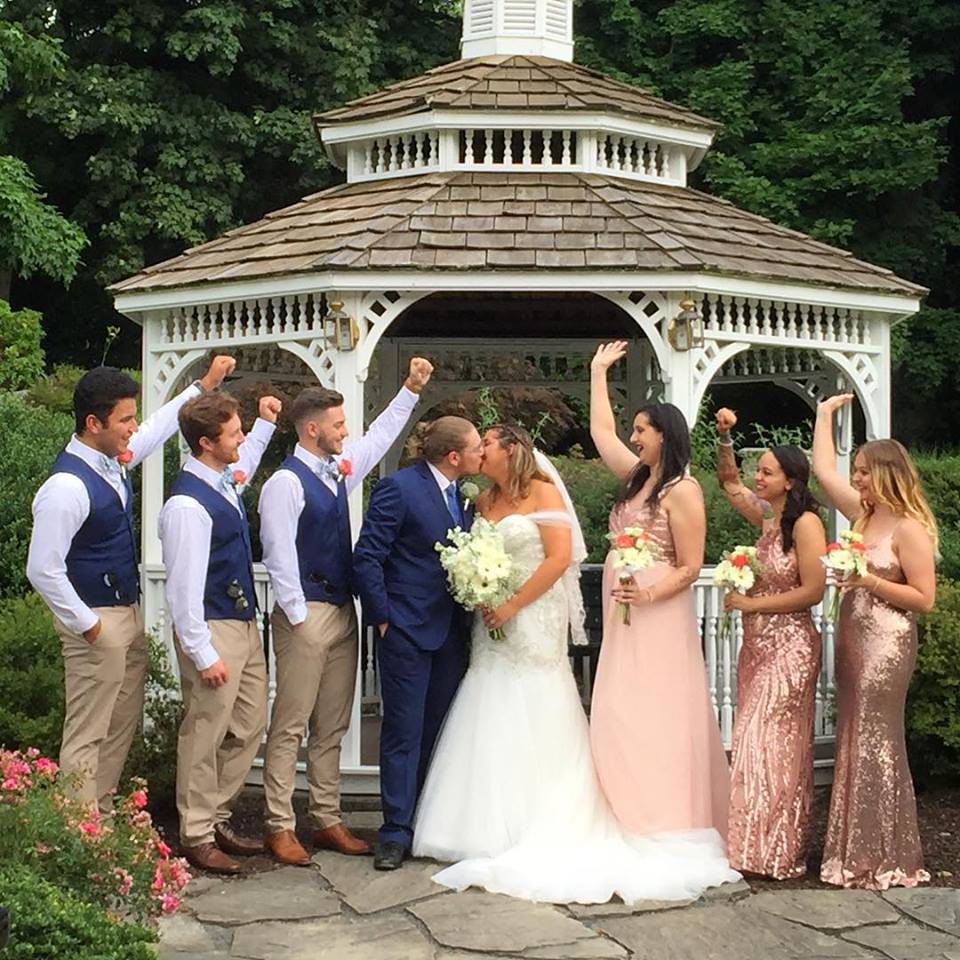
column 896, row 484
column 521, row 464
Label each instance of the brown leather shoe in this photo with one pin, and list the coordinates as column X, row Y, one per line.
column 339, row 838
column 229, row 841
column 207, row 856
column 286, row 848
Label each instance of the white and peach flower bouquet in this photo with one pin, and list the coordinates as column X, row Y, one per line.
column 845, row 557
column 480, row 572
column 738, row 570
column 633, row 550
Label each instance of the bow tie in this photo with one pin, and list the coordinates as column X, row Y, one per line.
column 227, row 479
column 329, row 469
column 111, row 464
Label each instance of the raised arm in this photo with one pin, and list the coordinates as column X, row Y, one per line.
column 618, row 457
column 738, row 495
column 836, row 488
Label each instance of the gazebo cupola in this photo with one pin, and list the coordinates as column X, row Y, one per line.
column 515, row 102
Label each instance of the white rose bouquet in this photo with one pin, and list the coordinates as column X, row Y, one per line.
column 633, row 549
column 738, row 570
column 479, row 570
column 847, row 556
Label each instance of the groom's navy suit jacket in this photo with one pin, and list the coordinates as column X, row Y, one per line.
column 395, row 563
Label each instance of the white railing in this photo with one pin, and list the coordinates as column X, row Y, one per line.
column 720, row 655
column 410, row 151
column 637, row 156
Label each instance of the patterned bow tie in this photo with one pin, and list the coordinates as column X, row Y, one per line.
column 227, row 480
column 110, row 464
column 328, row 468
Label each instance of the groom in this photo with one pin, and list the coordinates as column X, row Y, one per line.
column 422, row 630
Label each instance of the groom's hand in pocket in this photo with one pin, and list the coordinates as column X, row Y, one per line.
column 383, row 628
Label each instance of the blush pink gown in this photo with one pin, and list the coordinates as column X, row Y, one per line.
column 654, row 734
column 772, row 765
column 872, row 837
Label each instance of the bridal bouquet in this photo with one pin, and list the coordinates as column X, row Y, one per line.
column 738, row 570
column 847, row 556
column 633, row 549
column 479, row 570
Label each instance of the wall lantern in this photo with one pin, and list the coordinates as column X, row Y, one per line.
column 686, row 328
column 339, row 330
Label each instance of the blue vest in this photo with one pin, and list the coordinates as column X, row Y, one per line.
column 102, row 560
column 324, row 549
column 230, row 567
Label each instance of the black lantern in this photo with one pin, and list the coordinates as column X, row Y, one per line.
column 340, row 330
column 686, row 328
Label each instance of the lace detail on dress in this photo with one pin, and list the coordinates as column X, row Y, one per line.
column 537, row 635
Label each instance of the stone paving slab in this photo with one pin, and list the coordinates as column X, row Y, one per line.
column 367, row 891
column 387, row 937
column 826, row 909
column 184, row 938
column 935, row 907
column 725, row 932
column 590, row 911
column 290, row 893
column 494, row 923
column 905, row 941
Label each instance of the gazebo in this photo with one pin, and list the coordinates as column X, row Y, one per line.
column 508, row 185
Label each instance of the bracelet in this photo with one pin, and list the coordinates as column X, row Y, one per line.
column 199, row 386
column 724, row 443
column 649, row 595
column 876, row 583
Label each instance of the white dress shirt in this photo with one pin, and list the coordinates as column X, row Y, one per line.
column 185, row 531
column 61, row 507
column 282, row 500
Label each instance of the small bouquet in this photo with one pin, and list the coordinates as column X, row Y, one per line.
column 847, row 556
column 479, row 570
column 738, row 570
column 633, row 549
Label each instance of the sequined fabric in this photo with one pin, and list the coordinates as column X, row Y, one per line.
column 655, row 739
column 872, row 838
column 772, row 764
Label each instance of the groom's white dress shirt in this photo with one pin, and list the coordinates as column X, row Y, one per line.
column 185, row 529
column 61, row 507
column 282, row 500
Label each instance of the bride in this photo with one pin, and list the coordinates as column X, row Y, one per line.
column 511, row 792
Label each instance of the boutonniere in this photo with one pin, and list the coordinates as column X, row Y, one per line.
column 469, row 491
column 123, row 458
column 344, row 469
column 239, row 478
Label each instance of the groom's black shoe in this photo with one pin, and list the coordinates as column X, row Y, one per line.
column 389, row 855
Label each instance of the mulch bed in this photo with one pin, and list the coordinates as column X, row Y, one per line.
column 938, row 809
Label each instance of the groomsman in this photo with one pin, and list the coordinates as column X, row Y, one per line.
column 210, row 596
column 305, row 530
column 83, row 562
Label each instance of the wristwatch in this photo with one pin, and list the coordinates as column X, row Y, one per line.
column 199, row 385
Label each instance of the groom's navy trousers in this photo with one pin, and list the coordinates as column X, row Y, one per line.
column 421, row 656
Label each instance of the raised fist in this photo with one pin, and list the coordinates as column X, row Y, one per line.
column 220, row 367
column 269, row 408
column 726, row 420
column 419, row 374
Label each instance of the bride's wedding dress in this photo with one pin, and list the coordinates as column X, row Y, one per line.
column 511, row 792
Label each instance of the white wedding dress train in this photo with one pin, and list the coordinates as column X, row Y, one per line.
column 511, row 791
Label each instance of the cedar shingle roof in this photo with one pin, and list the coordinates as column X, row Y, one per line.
column 513, row 83
column 491, row 221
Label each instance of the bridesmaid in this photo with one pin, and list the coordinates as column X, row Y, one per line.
column 654, row 733
column 872, row 838
column 772, row 766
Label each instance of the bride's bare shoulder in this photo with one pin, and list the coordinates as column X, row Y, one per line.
column 545, row 495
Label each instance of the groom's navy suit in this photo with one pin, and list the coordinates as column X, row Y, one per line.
column 421, row 656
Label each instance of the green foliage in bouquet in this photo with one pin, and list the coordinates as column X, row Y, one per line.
column 48, row 921
column 31, row 676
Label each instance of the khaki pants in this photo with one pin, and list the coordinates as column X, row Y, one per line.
column 104, row 700
column 221, row 730
column 316, row 679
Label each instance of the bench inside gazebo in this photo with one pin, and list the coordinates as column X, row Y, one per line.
column 514, row 206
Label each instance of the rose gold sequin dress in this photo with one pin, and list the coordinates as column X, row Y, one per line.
column 655, row 739
column 772, row 767
column 872, row 837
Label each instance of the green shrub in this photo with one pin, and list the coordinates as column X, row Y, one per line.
column 32, row 438
column 21, row 352
column 933, row 704
column 153, row 754
column 54, row 391
column 941, row 479
column 48, row 922
column 31, row 676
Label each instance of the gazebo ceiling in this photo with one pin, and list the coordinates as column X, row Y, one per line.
column 513, row 83
column 480, row 222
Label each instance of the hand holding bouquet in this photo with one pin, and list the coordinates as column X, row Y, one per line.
column 479, row 570
column 738, row 570
column 846, row 556
column 633, row 550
